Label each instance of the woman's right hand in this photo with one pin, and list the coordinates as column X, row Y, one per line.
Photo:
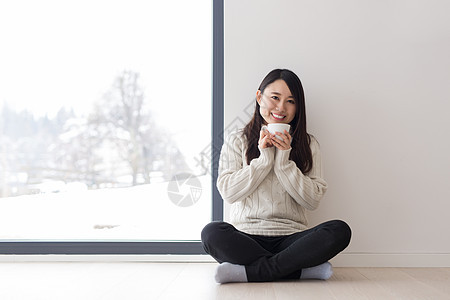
column 265, row 139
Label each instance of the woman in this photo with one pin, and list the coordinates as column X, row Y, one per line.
column 270, row 180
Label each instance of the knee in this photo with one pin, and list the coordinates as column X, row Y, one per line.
column 343, row 230
column 212, row 231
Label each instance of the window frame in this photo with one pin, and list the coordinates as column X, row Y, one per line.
column 30, row 247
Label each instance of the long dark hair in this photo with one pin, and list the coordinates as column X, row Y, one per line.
column 301, row 151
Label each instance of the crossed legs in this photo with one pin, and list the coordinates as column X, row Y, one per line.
column 265, row 258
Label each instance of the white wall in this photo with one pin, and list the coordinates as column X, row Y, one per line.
column 377, row 81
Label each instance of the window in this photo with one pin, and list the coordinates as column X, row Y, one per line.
column 105, row 125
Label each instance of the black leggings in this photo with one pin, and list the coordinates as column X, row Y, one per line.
column 268, row 258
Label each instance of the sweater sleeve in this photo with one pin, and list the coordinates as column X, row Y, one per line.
column 306, row 189
column 237, row 180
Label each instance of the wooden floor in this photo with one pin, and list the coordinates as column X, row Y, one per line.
column 138, row 280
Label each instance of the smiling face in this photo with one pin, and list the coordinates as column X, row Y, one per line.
column 277, row 105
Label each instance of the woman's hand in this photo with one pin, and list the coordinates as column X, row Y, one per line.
column 284, row 143
column 265, row 139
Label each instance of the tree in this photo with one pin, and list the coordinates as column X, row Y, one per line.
column 123, row 119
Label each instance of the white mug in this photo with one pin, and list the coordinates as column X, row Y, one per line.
column 278, row 127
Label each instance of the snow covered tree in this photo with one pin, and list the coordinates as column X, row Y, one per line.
column 123, row 118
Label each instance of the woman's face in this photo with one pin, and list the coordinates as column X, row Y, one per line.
column 276, row 103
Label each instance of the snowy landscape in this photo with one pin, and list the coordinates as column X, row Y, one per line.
column 142, row 212
column 100, row 118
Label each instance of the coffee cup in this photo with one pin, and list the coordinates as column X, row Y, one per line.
column 278, row 127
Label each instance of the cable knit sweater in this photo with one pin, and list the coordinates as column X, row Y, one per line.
column 270, row 196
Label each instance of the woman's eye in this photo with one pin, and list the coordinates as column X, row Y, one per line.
column 291, row 101
column 275, row 98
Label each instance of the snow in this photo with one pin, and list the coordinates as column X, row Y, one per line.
column 142, row 212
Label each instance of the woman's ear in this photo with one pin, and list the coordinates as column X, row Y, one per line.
column 258, row 96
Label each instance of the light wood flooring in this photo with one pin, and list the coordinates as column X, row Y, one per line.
column 140, row 280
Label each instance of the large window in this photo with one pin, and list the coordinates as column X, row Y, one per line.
column 108, row 131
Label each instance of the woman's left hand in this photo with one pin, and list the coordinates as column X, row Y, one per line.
column 285, row 143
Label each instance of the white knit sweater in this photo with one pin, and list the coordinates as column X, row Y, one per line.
column 270, row 196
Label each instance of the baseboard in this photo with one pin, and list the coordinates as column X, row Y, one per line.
column 392, row 260
column 342, row 260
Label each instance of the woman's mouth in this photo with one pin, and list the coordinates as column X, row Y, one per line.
column 278, row 117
